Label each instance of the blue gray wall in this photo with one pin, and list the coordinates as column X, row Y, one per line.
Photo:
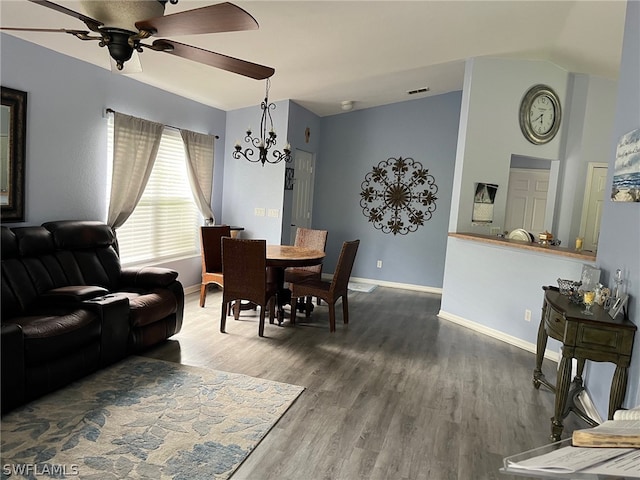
column 299, row 120
column 351, row 145
column 247, row 185
column 619, row 245
column 66, row 164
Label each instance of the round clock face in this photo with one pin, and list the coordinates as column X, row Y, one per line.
column 540, row 114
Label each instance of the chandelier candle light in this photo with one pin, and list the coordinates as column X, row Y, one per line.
column 266, row 139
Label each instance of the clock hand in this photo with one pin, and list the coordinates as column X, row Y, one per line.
column 539, row 118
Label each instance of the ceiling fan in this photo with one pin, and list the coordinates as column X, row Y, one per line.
column 124, row 24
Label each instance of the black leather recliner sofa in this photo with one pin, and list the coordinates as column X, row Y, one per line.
column 69, row 308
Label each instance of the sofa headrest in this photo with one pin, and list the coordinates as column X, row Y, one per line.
column 78, row 234
column 33, row 241
column 8, row 243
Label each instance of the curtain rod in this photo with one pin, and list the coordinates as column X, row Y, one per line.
column 110, row 110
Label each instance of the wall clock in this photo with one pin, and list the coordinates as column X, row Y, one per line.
column 540, row 114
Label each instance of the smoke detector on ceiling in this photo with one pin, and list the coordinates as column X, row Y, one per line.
column 347, row 105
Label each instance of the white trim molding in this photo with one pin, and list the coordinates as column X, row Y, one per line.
column 382, row 283
column 511, row 340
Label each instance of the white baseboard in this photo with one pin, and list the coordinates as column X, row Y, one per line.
column 191, row 289
column 382, row 283
column 511, row 340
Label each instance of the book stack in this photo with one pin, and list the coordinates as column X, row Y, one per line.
column 623, row 431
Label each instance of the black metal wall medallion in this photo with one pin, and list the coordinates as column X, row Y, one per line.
column 398, row 196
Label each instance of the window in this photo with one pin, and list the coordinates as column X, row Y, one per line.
column 166, row 221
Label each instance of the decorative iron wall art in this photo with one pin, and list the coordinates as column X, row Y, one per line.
column 398, row 196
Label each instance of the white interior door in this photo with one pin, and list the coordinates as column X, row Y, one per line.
column 302, row 205
column 527, row 199
column 593, row 203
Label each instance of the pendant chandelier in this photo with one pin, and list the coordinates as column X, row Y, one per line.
column 265, row 141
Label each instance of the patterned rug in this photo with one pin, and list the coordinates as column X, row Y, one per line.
column 143, row 419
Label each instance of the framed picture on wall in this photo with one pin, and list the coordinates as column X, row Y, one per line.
column 626, row 174
column 288, row 178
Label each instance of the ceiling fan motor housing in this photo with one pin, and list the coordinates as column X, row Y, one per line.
column 117, row 41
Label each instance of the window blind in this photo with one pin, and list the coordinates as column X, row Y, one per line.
column 165, row 223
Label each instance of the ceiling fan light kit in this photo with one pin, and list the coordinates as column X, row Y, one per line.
column 121, row 25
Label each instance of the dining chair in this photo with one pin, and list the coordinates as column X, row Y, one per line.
column 308, row 238
column 211, row 253
column 244, row 266
column 331, row 291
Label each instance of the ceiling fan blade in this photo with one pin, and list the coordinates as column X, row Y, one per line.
column 91, row 23
column 223, row 17
column 218, row 60
column 54, row 30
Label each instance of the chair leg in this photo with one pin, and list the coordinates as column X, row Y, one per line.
column 294, row 310
column 272, row 309
column 345, row 309
column 261, row 324
column 236, row 309
column 203, row 293
column 223, row 317
column 332, row 316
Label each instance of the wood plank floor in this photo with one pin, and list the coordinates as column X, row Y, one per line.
column 396, row 394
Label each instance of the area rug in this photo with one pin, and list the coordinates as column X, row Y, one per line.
column 143, row 419
column 361, row 287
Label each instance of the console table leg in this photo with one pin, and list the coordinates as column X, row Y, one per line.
column 618, row 389
column 541, row 346
column 562, row 392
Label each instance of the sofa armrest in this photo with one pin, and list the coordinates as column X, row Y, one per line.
column 147, row 277
column 178, row 290
column 73, row 294
column 13, row 367
column 113, row 311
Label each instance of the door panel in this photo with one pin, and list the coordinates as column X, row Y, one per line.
column 594, row 202
column 303, row 177
column 527, row 199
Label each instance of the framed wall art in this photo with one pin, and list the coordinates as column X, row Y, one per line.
column 626, row 173
column 13, row 137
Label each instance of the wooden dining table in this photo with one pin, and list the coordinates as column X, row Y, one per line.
column 280, row 257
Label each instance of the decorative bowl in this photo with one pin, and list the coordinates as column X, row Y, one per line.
column 570, row 288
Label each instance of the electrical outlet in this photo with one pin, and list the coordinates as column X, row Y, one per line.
column 379, row 264
column 527, row 315
column 258, row 212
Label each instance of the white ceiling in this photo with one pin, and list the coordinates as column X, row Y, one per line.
column 371, row 52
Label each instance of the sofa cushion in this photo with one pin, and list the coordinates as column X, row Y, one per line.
column 52, row 335
column 149, row 307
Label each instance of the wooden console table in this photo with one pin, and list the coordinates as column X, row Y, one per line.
column 597, row 337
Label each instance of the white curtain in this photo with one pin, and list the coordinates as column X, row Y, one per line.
column 199, row 156
column 135, row 146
